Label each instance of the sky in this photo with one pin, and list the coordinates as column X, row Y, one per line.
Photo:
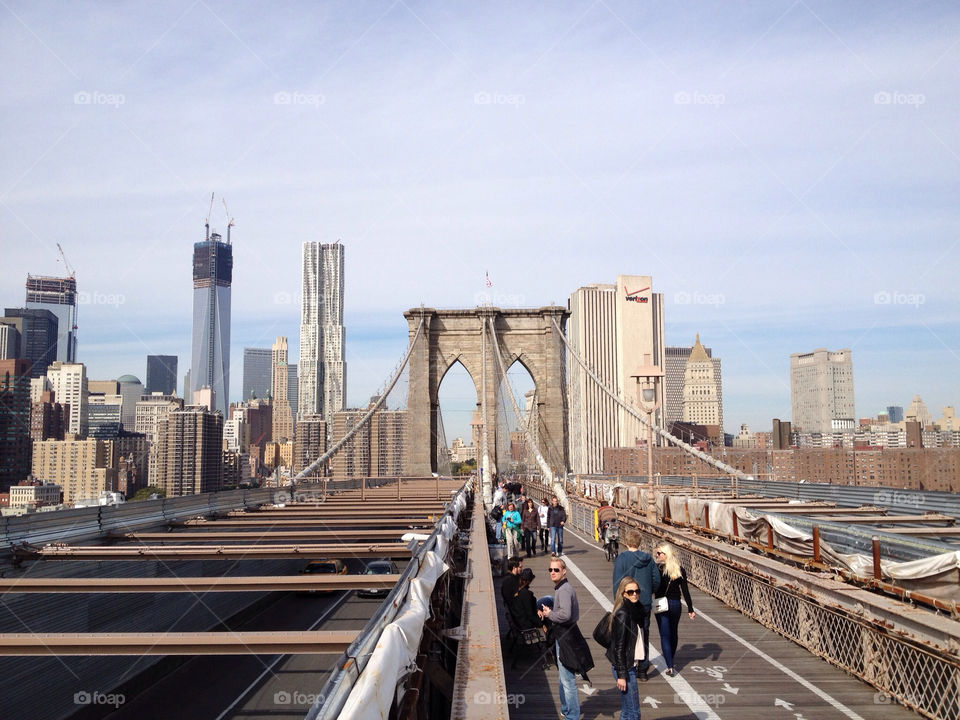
column 787, row 172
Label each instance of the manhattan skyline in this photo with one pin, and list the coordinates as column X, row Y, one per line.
column 786, row 174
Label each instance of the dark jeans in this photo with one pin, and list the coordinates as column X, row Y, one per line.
column 530, row 542
column 544, row 538
column 629, row 700
column 668, row 623
column 644, row 664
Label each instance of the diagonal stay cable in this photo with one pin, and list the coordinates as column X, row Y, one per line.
column 689, row 449
column 319, row 462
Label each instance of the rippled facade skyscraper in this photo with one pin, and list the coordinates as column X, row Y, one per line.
column 322, row 368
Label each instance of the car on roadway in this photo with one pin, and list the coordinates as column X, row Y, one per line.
column 378, row 567
column 326, row 566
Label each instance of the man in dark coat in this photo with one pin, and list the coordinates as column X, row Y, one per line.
column 573, row 654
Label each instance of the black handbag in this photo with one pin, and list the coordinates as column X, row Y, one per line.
column 601, row 633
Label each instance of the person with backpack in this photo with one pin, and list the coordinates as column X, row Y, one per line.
column 624, row 628
column 640, row 566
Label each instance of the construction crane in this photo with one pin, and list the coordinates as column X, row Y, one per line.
column 229, row 219
column 206, row 222
column 66, row 264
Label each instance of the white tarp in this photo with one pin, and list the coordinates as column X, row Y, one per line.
column 395, row 654
column 935, row 576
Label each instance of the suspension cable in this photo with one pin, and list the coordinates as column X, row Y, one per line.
column 689, row 449
column 320, row 461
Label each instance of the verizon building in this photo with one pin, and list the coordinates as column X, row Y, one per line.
column 616, row 329
column 821, row 391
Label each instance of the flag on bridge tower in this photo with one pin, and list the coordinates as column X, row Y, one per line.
column 489, row 284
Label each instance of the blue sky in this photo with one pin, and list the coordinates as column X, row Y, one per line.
column 786, row 171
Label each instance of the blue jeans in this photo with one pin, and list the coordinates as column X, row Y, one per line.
column 556, row 540
column 668, row 623
column 629, row 700
column 498, row 529
column 643, row 664
column 569, row 700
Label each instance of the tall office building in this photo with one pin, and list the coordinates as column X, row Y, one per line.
column 37, row 329
column 210, row 357
column 151, row 409
column 322, row 369
column 161, row 374
column 293, row 392
column 282, row 416
column 9, row 342
column 257, row 370
column 59, row 296
column 310, row 443
column 132, row 390
column 701, row 390
column 69, row 384
column 677, row 358
column 83, row 468
column 821, row 391
column 14, row 422
column 187, row 457
column 616, row 329
column 895, row 413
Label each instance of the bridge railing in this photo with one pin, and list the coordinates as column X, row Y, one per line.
column 336, row 693
column 910, row 656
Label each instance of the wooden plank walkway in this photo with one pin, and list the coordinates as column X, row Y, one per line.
column 718, row 675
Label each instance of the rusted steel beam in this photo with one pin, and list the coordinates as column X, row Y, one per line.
column 197, row 584
column 925, row 532
column 213, row 552
column 892, row 519
column 196, row 643
column 826, row 510
column 259, row 534
column 357, row 512
column 253, row 521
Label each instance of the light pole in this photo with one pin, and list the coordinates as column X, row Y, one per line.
column 647, row 376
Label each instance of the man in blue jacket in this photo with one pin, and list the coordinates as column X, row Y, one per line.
column 641, row 567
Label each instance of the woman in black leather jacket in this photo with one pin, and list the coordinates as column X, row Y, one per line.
column 624, row 629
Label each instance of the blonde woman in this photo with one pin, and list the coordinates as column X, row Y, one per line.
column 624, row 629
column 673, row 582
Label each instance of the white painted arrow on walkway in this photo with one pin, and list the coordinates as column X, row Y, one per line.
column 783, row 704
column 652, row 702
column 735, row 691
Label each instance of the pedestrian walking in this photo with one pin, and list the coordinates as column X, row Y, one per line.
column 511, row 529
column 497, row 516
column 543, row 511
column 673, row 583
column 640, row 566
column 624, row 630
column 573, row 654
column 556, row 519
column 530, row 522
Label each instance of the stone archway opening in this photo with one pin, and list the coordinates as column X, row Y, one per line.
column 457, row 429
column 513, row 453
